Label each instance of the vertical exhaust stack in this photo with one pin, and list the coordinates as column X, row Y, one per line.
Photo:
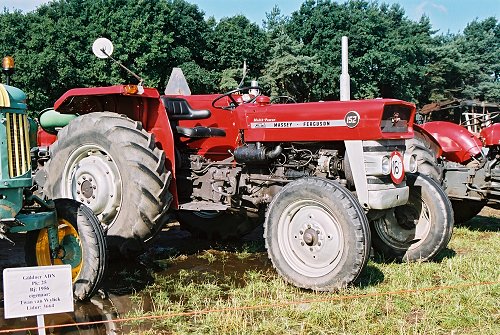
column 345, row 80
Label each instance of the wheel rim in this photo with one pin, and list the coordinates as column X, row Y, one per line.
column 407, row 227
column 310, row 238
column 92, row 177
column 70, row 248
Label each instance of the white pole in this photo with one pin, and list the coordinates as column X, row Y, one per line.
column 40, row 320
column 345, row 80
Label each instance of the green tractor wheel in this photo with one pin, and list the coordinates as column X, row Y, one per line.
column 82, row 245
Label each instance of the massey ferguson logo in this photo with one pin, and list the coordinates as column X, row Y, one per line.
column 352, row 119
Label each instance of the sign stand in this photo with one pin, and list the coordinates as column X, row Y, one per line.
column 40, row 322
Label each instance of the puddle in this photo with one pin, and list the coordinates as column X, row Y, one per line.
column 174, row 256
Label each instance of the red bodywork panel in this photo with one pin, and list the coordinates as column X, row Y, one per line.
column 429, row 139
column 252, row 122
column 491, row 135
column 457, row 143
column 309, row 119
column 145, row 107
column 44, row 139
column 302, row 122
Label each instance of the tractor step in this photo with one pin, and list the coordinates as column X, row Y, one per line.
column 203, row 206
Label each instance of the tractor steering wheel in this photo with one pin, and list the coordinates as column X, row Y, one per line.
column 233, row 103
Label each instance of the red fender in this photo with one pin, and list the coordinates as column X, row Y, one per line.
column 44, row 139
column 146, row 108
column 457, row 143
column 427, row 138
column 491, row 135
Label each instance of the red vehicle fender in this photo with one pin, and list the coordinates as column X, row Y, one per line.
column 457, row 143
column 426, row 137
column 146, row 108
column 44, row 139
column 491, row 135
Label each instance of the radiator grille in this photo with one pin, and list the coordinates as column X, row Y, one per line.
column 18, row 144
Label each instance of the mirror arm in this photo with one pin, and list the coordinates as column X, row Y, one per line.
column 124, row 67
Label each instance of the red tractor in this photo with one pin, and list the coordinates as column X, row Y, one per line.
column 459, row 146
column 317, row 175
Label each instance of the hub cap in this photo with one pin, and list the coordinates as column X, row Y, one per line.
column 310, row 238
column 70, row 251
column 92, row 177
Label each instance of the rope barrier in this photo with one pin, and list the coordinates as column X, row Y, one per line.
column 259, row 307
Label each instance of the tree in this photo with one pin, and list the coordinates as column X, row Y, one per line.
column 480, row 49
column 235, row 40
column 388, row 52
column 467, row 66
column 288, row 72
column 53, row 43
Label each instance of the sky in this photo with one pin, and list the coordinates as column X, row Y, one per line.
column 445, row 15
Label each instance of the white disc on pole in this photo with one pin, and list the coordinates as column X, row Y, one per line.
column 102, row 47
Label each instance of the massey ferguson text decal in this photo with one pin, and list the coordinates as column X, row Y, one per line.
column 298, row 124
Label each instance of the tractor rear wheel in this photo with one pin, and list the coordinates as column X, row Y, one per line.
column 418, row 230
column 216, row 225
column 317, row 234
column 111, row 164
column 82, row 244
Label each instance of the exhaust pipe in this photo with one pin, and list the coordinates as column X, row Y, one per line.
column 345, row 80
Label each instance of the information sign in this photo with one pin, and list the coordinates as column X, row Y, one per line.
column 30, row 291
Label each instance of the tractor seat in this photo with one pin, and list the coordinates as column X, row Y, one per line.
column 179, row 109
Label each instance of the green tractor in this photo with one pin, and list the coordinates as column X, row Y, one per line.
column 58, row 231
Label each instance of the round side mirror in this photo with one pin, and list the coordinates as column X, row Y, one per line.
column 102, row 47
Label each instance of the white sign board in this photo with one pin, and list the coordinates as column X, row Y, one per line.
column 40, row 290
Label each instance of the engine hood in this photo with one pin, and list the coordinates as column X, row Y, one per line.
column 328, row 121
column 12, row 98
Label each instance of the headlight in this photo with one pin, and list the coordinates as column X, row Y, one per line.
column 386, row 165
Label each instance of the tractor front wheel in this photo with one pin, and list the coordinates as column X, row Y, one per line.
column 81, row 245
column 418, row 230
column 317, row 234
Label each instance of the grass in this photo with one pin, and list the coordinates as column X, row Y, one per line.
column 224, row 279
